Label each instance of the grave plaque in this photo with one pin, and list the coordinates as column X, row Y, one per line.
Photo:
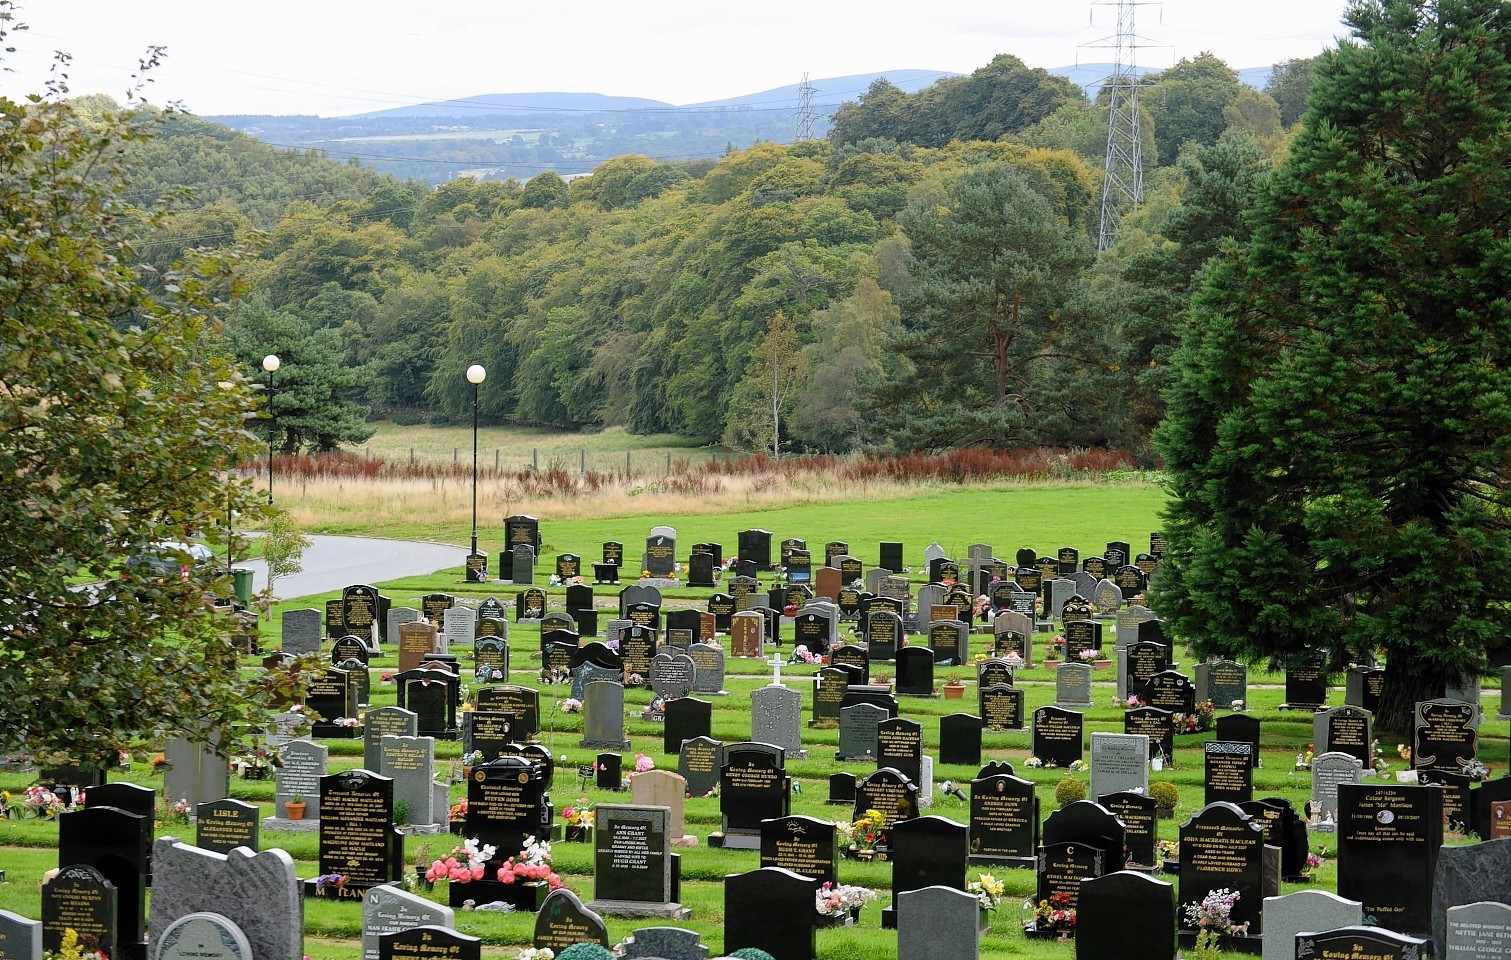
column 671, row 675
column 222, row 825
column 1057, row 736
column 80, row 898
column 1221, row 847
column 506, row 804
column 522, row 529
column 1361, row 942
column 429, row 943
column 1447, row 735
column 1001, row 707
column 359, row 610
column 699, row 762
column 804, row 845
column 1004, row 820
column 357, row 838
column 519, row 707
column 747, row 630
column 1388, row 841
column 884, row 633
column 1230, row 771
column 1140, row 816
column 302, row 767
column 1073, row 685
column 387, row 909
column 416, row 643
column 563, row 921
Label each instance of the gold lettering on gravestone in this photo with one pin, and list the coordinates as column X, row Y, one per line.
column 80, row 908
column 1001, row 711
column 354, row 828
column 890, row 800
column 660, row 551
column 1346, row 731
column 500, row 800
column 1222, row 848
column 705, row 660
column 426, row 949
column 893, row 742
column 699, row 757
column 561, row 932
column 416, row 642
column 999, row 813
column 359, row 611
column 568, row 568
column 1064, row 874
column 800, row 854
column 751, row 777
column 224, row 829
column 883, row 630
column 1353, row 952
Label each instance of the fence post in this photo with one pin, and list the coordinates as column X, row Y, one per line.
column 495, row 459
column 626, row 463
column 456, row 454
column 535, row 459
column 582, row 466
column 411, row 456
column 668, row 461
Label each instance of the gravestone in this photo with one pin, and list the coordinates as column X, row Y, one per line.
column 1305, row 910
column 521, row 559
column 1328, row 771
column 1001, row 707
column 506, row 806
column 432, row 694
column 1363, row 687
column 1004, row 820
column 591, row 662
column 1125, row 915
column 884, row 635
column 417, row 640
column 1223, row 682
column 302, row 631
column 804, row 845
column 685, row 718
column 357, row 836
column 1446, row 735
column 699, row 762
column 1469, row 874
column 196, row 772
column 1306, row 685
column 20, row 938
column 708, row 663
column 1073, row 685
column 1229, row 771
column 304, row 764
column 1477, row 930
column 635, row 872
column 1156, row 724
column 828, row 692
column 915, row 672
column 960, row 739
column 1119, row 763
column 1361, row 942
column 1171, row 690
column 360, row 605
column 671, row 675
column 850, row 655
column 1238, row 726
column 1221, row 847
column 888, row 792
column 938, row 923
column 563, row 920
column 1344, row 729
column 663, row 788
column 664, row 943
column 410, row 762
column 518, row 707
column 429, row 943
column 222, row 825
column 858, row 726
column 1140, row 816
column 926, row 852
column 780, row 894
column 202, row 936
column 747, row 631
column 1389, row 837
column 387, row 909
column 603, row 716
column 258, row 892
column 396, row 618
column 79, row 898
column 776, row 717
column 753, row 786
column 1058, row 736
column 899, row 745
column 490, row 658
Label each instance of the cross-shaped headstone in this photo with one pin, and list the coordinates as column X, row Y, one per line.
column 776, row 670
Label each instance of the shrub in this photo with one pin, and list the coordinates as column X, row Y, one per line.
column 752, row 953
column 1069, row 790
column 585, row 951
column 1165, row 794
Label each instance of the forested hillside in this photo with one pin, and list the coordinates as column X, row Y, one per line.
column 923, row 279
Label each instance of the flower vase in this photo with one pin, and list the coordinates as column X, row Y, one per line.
column 577, row 834
column 293, row 811
column 865, row 856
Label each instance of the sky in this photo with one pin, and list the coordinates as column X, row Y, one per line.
column 340, row 57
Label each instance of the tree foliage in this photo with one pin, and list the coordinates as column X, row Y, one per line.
column 1340, row 425
column 1187, row 103
column 118, row 420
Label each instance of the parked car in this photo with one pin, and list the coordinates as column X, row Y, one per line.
column 167, row 559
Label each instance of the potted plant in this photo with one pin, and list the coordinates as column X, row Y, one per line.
column 293, row 808
column 1165, row 795
column 577, row 826
column 954, row 689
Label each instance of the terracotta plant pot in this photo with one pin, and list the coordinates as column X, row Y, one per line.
column 294, row 811
column 954, row 691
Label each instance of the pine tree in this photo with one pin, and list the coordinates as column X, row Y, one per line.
column 1340, row 426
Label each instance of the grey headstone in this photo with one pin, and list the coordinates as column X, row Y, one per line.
column 1306, row 910
column 387, row 909
column 20, row 938
column 410, row 763
column 938, row 923
column 397, row 617
column 1477, row 931
column 586, row 673
column 385, row 722
column 1073, row 685
column 1481, row 871
column 857, row 730
column 202, row 936
column 303, row 630
column 1119, row 762
column 259, row 893
column 304, row 763
column 776, row 717
column 664, row 943
column 709, row 661
column 457, row 626
column 281, row 727
column 195, row 772
column 672, row 675
column 1329, row 770
column 1128, row 620
column 603, row 716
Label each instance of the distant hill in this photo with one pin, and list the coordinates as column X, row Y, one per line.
column 1090, row 76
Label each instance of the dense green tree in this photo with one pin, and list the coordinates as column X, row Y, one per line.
column 1187, row 103
column 766, row 393
column 545, row 191
column 119, row 420
column 993, row 265
column 850, row 340
column 1340, row 428
column 309, row 397
column 1289, row 85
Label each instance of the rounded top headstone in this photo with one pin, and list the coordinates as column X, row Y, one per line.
column 202, row 936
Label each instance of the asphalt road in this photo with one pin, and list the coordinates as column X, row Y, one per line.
column 331, row 563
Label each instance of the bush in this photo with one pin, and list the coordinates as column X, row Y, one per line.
column 751, row 953
column 1165, row 794
column 585, row 951
column 1069, row 790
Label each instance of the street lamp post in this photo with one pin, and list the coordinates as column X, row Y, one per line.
column 475, row 375
column 270, row 363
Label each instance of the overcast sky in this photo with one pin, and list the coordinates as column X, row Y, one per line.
column 335, row 57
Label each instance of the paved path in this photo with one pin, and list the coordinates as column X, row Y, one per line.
column 331, row 563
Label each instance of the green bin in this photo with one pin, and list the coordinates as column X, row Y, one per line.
column 243, row 578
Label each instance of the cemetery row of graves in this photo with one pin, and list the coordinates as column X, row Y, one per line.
column 982, row 758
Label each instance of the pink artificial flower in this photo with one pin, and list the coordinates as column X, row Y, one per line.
column 505, row 875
